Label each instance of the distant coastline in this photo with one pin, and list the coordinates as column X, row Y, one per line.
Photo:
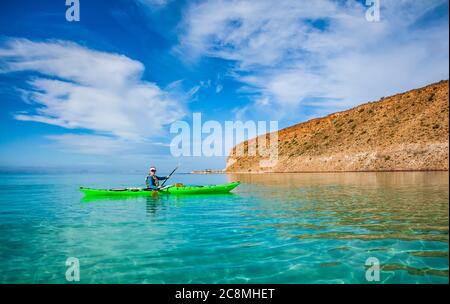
column 208, row 171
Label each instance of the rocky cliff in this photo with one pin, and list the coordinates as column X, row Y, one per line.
column 407, row 131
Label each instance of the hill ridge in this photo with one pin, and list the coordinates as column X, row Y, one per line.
column 405, row 131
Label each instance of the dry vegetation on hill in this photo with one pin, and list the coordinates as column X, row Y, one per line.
column 407, row 131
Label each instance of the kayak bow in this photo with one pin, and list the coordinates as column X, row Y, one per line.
column 209, row 189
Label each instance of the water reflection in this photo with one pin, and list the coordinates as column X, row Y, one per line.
column 347, row 207
column 381, row 179
column 151, row 205
column 384, row 204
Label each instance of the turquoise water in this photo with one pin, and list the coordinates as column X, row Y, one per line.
column 291, row 228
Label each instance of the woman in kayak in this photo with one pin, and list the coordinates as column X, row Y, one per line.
column 154, row 179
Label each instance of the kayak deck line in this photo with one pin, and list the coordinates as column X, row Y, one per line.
column 184, row 189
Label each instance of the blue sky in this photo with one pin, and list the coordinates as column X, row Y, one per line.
column 100, row 94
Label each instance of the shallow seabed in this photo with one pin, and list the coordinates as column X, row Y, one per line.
column 275, row 228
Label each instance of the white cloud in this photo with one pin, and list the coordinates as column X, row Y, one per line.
column 219, row 88
column 80, row 88
column 291, row 53
column 154, row 3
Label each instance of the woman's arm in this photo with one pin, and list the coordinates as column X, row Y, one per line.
column 162, row 178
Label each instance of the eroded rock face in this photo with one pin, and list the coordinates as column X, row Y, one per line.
column 407, row 131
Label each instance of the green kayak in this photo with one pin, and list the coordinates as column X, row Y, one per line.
column 209, row 189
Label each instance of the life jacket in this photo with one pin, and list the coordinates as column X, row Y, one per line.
column 154, row 180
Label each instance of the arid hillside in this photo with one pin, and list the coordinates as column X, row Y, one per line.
column 407, row 131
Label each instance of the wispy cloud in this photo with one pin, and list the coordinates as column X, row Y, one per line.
column 75, row 87
column 291, row 53
column 219, row 88
column 154, row 3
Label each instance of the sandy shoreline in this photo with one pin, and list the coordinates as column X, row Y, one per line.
column 360, row 171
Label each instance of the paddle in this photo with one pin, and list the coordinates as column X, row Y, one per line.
column 170, row 175
column 155, row 192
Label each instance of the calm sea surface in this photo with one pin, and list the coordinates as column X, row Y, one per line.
column 291, row 228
